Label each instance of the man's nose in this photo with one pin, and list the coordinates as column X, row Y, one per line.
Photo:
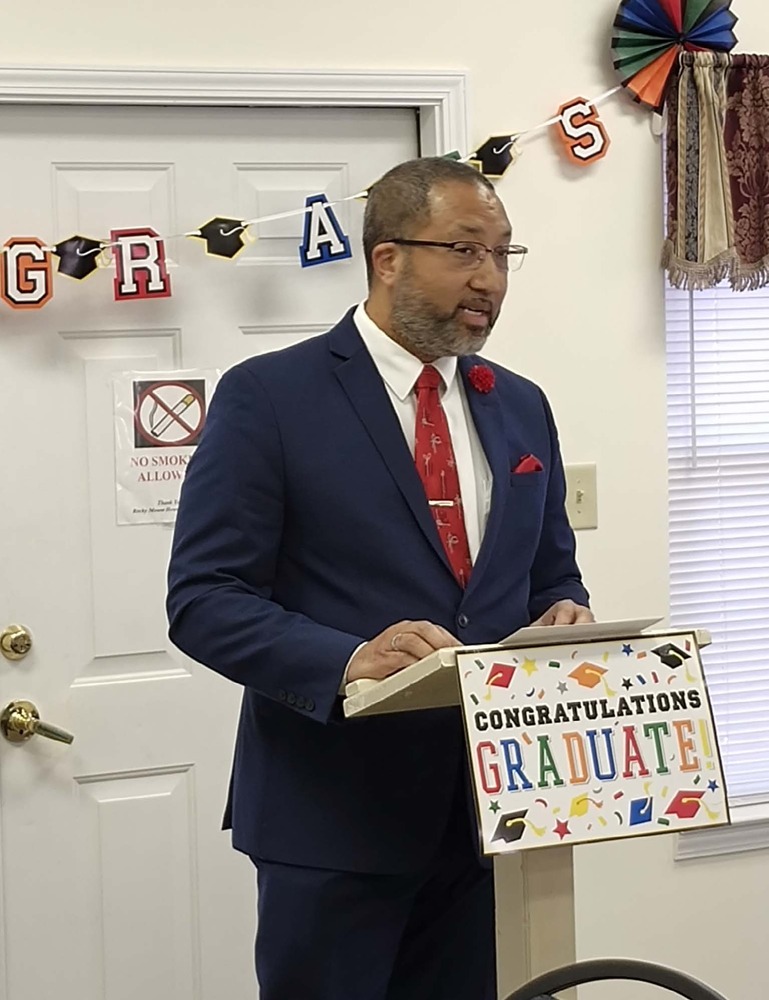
column 488, row 277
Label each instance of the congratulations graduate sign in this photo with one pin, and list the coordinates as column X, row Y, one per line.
column 596, row 741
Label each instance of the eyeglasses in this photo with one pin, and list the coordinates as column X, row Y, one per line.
column 467, row 254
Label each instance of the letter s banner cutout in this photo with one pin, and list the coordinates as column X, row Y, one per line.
column 582, row 132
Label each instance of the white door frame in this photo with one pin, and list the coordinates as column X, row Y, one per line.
column 440, row 97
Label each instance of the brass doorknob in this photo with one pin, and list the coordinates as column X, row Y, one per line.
column 15, row 642
column 21, row 720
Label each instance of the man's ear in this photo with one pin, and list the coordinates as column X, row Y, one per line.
column 386, row 262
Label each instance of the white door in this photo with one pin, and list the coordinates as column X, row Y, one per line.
column 117, row 883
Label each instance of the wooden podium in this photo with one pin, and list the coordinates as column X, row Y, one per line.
column 635, row 669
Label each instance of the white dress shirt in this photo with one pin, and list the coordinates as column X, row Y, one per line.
column 400, row 371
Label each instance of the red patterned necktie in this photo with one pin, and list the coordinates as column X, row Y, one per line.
column 437, row 469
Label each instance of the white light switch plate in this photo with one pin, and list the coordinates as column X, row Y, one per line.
column 581, row 496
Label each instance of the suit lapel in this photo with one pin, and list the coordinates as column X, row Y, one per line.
column 366, row 391
column 487, row 415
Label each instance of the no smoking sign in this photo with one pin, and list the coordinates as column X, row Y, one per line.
column 168, row 414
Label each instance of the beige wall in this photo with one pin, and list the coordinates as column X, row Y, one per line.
column 584, row 318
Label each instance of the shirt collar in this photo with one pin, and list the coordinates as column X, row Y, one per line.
column 398, row 368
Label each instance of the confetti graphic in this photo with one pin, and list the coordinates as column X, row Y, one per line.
column 641, row 811
column 512, row 826
column 579, row 805
column 671, row 655
column 705, row 737
column 500, row 675
column 588, row 675
column 569, row 745
column 685, row 805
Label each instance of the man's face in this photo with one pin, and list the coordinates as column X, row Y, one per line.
column 440, row 305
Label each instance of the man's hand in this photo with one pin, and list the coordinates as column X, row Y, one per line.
column 397, row 647
column 565, row 613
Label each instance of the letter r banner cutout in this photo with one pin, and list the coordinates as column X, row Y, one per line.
column 158, row 422
column 601, row 740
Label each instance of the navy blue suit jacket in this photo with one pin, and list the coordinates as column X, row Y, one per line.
column 302, row 531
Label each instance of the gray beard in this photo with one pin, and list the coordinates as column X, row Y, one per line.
column 428, row 334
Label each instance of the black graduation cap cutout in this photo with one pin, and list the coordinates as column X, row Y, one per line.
column 494, row 156
column 511, row 826
column 670, row 654
column 78, row 256
column 223, row 237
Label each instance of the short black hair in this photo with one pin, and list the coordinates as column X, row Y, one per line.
column 399, row 202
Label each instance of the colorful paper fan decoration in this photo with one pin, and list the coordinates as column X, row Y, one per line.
column 650, row 34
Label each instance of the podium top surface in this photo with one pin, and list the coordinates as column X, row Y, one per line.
column 432, row 681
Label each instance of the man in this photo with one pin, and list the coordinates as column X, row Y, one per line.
column 356, row 502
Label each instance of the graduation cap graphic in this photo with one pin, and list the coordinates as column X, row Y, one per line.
column 641, row 811
column 511, row 826
column 223, row 237
column 670, row 654
column 494, row 156
column 587, row 675
column 500, row 675
column 78, row 256
column 685, row 805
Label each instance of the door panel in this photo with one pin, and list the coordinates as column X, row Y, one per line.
column 117, row 882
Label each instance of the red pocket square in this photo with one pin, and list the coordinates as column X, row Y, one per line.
column 529, row 463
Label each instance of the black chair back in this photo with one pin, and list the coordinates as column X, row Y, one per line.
column 600, row 969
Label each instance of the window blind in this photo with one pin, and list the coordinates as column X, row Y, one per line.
column 718, row 447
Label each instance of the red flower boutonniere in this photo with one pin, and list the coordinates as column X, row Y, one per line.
column 482, row 378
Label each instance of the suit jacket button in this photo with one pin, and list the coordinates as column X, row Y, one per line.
column 300, row 702
column 463, row 621
column 282, row 694
column 309, row 704
column 291, row 698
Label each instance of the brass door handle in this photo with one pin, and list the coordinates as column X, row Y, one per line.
column 20, row 720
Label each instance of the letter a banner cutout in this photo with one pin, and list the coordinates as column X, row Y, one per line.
column 158, row 422
column 599, row 740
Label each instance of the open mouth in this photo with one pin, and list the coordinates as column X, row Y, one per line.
column 476, row 317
